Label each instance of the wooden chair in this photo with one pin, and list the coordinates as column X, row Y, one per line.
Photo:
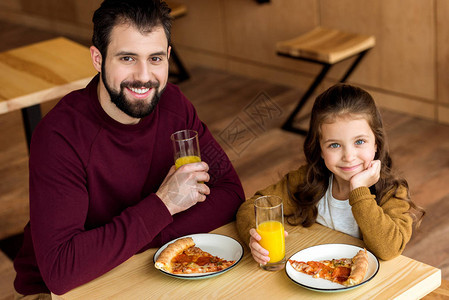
column 326, row 47
column 178, row 10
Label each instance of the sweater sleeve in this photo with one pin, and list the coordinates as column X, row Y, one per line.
column 386, row 228
column 246, row 218
column 67, row 253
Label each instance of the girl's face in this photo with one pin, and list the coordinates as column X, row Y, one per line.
column 348, row 146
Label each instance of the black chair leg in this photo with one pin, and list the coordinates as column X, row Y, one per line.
column 353, row 66
column 182, row 73
column 288, row 125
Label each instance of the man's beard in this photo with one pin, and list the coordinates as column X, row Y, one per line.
column 137, row 109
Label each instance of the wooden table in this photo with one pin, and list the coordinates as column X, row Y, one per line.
column 400, row 278
column 41, row 72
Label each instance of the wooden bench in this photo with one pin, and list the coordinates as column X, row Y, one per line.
column 326, row 47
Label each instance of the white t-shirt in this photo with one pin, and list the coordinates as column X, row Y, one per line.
column 337, row 214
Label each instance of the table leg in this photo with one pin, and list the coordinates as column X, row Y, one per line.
column 31, row 116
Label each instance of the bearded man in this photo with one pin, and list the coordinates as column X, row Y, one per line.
column 103, row 185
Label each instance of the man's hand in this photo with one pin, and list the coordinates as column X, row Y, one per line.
column 181, row 189
column 367, row 177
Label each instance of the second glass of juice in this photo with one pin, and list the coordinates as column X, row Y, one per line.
column 270, row 226
column 186, row 147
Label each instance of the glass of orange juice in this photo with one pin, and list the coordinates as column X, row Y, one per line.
column 186, row 147
column 270, row 226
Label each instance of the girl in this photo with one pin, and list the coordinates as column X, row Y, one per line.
column 347, row 183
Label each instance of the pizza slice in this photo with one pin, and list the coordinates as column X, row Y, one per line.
column 183, row 257
column 345, row 271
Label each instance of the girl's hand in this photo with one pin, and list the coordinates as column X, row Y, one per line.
column 260, row 254
column 367, row 177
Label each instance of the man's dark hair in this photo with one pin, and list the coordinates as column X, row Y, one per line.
column 142, row 14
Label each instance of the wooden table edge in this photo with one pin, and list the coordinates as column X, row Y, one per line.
column 415, row 291
column 42, row 96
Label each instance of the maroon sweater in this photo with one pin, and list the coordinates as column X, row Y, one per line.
column 92, row 190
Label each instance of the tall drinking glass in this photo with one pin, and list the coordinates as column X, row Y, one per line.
column 270, row 226
column 186, row 147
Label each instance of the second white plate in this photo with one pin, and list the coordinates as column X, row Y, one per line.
column 324, row 252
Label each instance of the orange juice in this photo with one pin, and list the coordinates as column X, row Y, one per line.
column 186, row 160
column 272, row 233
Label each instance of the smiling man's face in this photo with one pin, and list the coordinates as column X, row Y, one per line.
column 134, row 73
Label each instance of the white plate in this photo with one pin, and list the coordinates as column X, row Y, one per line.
column 323, row 252
column 216, row 244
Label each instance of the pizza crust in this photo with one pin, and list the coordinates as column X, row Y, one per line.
column 163, row 262
column 359, row 268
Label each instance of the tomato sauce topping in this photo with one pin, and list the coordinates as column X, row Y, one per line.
column 341, row 274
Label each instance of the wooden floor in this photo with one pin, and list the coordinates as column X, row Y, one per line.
column 245, row 115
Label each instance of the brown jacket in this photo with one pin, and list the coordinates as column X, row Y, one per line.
column 386, row 228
